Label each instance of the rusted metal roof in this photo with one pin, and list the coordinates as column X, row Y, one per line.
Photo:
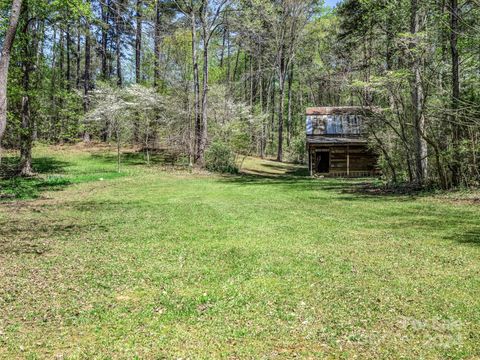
column 337, row 110
column 323, row 140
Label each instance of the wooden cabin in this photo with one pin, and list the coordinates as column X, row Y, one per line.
column 336, row 143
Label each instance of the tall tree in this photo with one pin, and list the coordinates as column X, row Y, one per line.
column 29, row 43
column 156, row 50
column 78, row 59
column 118, row 42
column 190, row 9
column 421, row 154
column 5, row 62
column 456, row 129
column 138, row 42
column 210, row 21
column 105, row 10
column 291, row 18
column 87, row 75
column 68, row 75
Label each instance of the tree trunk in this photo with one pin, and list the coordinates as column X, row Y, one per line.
column 224, row 41
column 228, row 55
column 26, row 123
column 86, row 83
column 5, row 61
column 456, row 131
column 272, row 121
column 26, row 126
column 252, row 82
column 237, row 59
column 117, row 133
column 281, row 109
column 110, row 39
column 104, row 41
column 61, row 59
column 260, row 90
column 281, row 103
column 138, row 43
column 245, row 77
column 204, row 129
column 38, row 56
column 208, row 27
column 387, row 157
column 196, row 89
column 68, row 74
column 77, row 82
column 290, row 107
column 118, row 18
column 59, row 119
column 266, row 127
column 421, row 154
column 53, row 96
column 156, row 61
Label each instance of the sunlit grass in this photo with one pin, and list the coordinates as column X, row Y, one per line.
column 270, row 264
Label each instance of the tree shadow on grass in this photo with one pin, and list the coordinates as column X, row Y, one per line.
column 160, row 157
column 471, row 237
column 293, row 177
column 349, row 189
column 289, row 170
column 293, row 182
column 46, row 170
column 35, row 237
column 41, row 165
column 125, row 158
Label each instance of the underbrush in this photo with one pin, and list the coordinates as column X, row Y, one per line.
column 220, row 158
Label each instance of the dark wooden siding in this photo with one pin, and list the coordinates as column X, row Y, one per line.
column 351, row 160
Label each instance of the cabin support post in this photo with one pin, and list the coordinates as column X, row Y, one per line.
column 348, row 160
column 310, row 162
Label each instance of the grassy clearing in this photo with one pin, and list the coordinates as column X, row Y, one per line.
column 67, row 166
column 269, row 264
column 60, row 166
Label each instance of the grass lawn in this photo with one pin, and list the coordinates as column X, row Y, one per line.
column 270, row 264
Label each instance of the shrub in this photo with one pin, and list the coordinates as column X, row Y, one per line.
column 220, row 158
column 296, row 153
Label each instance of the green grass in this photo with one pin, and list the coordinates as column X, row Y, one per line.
column 269, row 264
column 68, row 165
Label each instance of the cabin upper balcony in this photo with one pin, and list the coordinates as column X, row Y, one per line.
column 336, row 122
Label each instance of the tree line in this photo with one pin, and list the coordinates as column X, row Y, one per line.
column 188, row 74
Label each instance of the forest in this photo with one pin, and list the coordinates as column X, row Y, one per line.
column 155, row 198
column 234, row 77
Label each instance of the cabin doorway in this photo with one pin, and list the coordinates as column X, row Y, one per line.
column 322, row 163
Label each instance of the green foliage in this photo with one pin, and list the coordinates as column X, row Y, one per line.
column 235, row 123
column 221, row 159
column 375, row 45
column 360, row 53
column 297, row 150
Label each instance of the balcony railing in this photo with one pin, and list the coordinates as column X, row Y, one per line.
column 335, row 125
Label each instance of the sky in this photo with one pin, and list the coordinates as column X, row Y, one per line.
column 331, row 3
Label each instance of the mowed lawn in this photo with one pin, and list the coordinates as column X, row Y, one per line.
column 158, row 263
